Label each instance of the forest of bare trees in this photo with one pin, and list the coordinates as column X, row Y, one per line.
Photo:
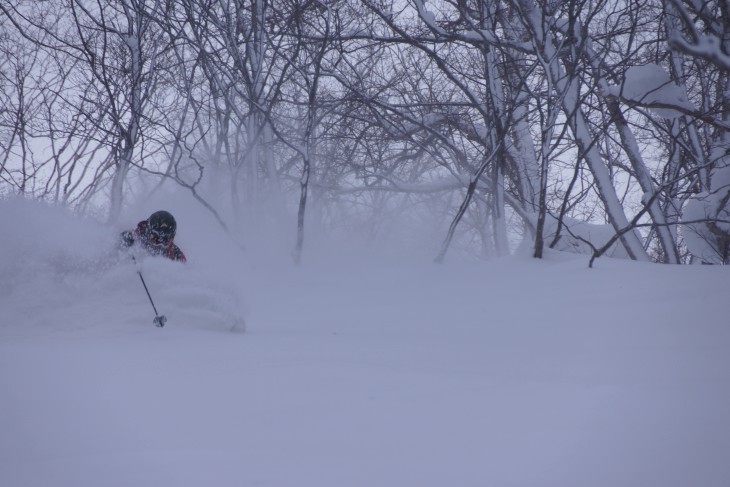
column 597, row 126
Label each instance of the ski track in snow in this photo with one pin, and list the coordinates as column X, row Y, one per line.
column 382, row 373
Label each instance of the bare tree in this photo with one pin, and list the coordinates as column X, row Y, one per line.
column 496, row 119
column 114, row 58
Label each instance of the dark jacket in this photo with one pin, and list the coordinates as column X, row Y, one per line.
column 149, row 242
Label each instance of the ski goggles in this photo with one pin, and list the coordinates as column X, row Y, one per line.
column 162, row 235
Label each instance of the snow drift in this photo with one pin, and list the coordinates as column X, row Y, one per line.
column 355, row 372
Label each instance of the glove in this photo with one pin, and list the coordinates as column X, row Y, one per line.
column 126, row 239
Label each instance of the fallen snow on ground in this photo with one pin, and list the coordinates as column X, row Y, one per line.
column 355, row 372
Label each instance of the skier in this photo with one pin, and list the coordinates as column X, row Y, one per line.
column 155, row 235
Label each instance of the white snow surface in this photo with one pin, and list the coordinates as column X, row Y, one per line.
column 353, row 371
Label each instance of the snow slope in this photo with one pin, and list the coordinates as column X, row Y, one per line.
column 354, row 372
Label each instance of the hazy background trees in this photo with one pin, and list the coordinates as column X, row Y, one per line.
column 481, row 126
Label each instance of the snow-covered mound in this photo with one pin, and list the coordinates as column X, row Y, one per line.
column 382, row 373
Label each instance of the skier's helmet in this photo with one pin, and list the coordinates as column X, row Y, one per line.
column 162, row 224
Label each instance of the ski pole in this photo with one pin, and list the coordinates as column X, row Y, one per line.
column 159, row 320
